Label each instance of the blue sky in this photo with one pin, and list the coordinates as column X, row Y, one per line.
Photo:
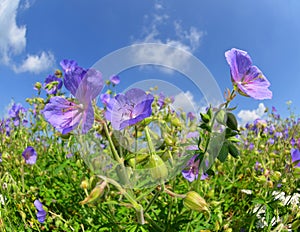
column 36, row 35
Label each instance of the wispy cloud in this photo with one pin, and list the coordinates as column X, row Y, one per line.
column 246, row 116
column 13, row 41
column 181, row 38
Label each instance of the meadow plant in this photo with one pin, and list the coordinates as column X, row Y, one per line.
column 131, row 162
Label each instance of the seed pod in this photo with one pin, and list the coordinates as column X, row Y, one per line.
column 195, row 202
column 95, row 193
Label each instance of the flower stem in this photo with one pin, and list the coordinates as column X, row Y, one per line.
column 149, row 141
column 112, row 146
column 138, row 208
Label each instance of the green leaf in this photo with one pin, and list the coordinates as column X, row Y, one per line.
column 223, row 152
column 205, row 126
column 233, row 150
column 231, row 121
column 205, row 117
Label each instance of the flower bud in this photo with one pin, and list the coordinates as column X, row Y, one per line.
column 38, row 85
column 195, row 202
column 176, row 122
column 276, row 175
column 84, row 184
column 95, row 193
column 158, row 168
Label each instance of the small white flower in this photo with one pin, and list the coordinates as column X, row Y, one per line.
column 247, row 191
column 1, row 199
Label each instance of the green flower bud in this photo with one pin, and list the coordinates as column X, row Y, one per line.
column 58, row 73
column 276, row 175
column 205, row 118
column 158, row 168
column 176, row 122
column 38, row 85
column 195, row 202
column 95, row 193
column 84, row 184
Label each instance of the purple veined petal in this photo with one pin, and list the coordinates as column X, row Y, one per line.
column 68, row 66
column 239, row 62
column 255, row 91
column 129, row 109
column 30, row 155
column 90, row 86
column 88, row 119
column 189, row 175
column 62, row 114
column 136, row 96
column 295, row 153
column 73, row 79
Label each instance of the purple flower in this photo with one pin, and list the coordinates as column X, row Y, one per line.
column 251, row 146
column 293, row 142
column 30, row 155
column 68, row 156
column 192, row 173
column 115, row 79
column 295, row 153
column 191, row 116
column 271, row 141
column 0, row 157
column 41, row 213
column 65, row 115
column 128, row 109
column 15, row 113
column 278, row 135
column 52, row 89
column 105, row 98
column 248, row 79
column 161, row 100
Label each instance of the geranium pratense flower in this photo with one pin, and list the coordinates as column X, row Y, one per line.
column 15, row 113
column 248, row 79
column 41, row 213
column 30, row 155
column 85, row 85
column 128, row 109
column 49, row 85
column 192, row 173
column 295, row 153
column 115, row 79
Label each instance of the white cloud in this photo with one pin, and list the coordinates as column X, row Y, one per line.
column 36, row 63
column 250, row 115
column 187, row 40
column 13, row 40
column 12, row 37
column 185, row 101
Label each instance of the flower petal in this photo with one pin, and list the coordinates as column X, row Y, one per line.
column 90, row 86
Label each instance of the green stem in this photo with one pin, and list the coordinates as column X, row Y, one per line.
column 138, row 208
column 112, row 146
column 152, row 200
column 149, row 141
